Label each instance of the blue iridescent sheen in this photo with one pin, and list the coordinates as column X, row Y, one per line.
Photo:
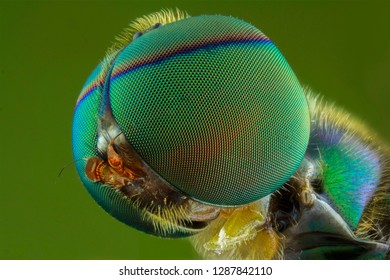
column 350, row 170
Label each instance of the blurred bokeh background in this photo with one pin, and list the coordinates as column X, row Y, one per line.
column 340, row 49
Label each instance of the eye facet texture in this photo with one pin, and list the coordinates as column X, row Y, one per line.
column 209, row 103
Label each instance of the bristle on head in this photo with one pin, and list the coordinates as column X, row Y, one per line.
column 146, row 23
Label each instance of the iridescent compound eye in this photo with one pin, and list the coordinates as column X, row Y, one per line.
column 208, row 103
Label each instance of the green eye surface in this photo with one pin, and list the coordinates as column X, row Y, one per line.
column 211, row 104
column 85, row 130
column 84, row 138
column 208, row 103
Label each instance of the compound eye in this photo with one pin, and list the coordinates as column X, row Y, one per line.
column 208, row 104
column 212, row 106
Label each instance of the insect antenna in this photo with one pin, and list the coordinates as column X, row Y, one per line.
column 66, row 166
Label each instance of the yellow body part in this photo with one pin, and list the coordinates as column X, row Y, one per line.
column 240, row 233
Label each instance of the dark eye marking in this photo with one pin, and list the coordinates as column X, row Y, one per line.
column 140, row 33
column 317, row 185
column 284, row 206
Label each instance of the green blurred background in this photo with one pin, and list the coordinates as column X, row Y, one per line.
column 48, row 49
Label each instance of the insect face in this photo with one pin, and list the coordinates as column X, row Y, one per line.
column 198, row 126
